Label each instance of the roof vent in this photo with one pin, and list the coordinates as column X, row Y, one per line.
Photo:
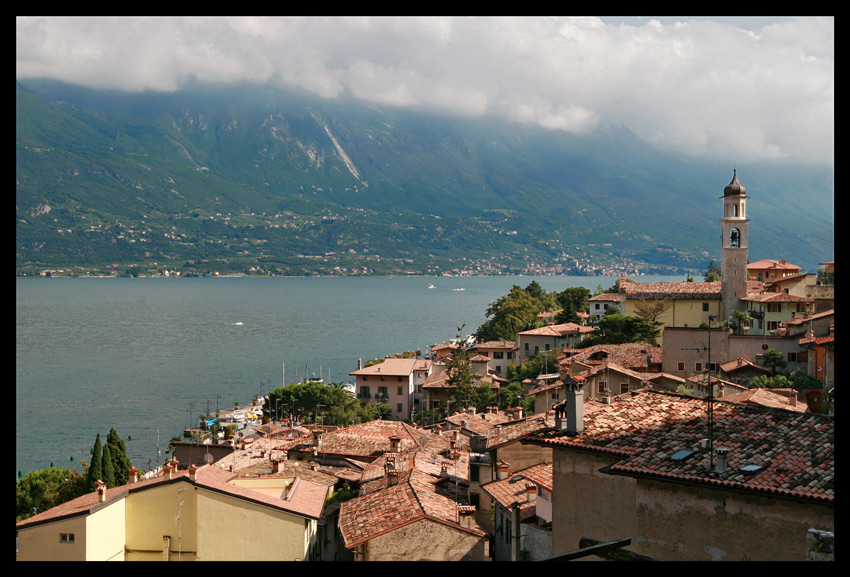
column 722, row 456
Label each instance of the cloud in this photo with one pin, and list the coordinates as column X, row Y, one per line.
column 720, row 88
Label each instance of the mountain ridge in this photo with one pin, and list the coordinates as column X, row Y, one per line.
column 429, row 194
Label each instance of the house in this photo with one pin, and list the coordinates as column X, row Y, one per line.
column 198, row 513
column 775, row 398
column 391, row 381
column 599, row 305
column 741, row 370
column 363, row 443
column 681, row 304
column 689, row 480
column 638, row 357
column 438, row 389
column 498, row 449
column 523, row 514
column 770, row 310
column 767, row 270
column 500, row 353
column 549, row 338
column 407, row 514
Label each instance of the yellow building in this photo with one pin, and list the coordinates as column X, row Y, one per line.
column 675, row 304
column 201, row 513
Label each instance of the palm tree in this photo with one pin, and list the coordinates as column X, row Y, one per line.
column 743, row 318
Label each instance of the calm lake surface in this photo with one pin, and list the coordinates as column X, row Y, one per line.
column 147, row 355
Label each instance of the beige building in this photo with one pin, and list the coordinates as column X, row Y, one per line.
column 199, row 513
column 648, row 468
column 549, row 338
column 392, row 381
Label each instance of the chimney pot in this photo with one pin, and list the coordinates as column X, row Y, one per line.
column 193, row 472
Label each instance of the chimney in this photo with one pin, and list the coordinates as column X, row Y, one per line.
column 466, row 516
column 395, row 444
column 193, row 473
column 133, row 474
column 721, row 460
column 478, row 444
column 574, row 410
column 531, row 492
column 100, row 489
column 504, row 470
column 276, row 467
column 470, row 410
column 518, row 413
column 317, row 437
column 391, row 471
column 166, row 471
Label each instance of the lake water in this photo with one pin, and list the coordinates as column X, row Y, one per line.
column 147, row 355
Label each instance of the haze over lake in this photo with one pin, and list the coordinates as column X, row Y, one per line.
column 147, row 355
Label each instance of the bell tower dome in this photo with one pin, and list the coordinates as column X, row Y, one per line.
column 733, row 260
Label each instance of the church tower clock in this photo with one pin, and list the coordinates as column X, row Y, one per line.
column 733, row 259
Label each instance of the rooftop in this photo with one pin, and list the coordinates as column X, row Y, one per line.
column 772, row 452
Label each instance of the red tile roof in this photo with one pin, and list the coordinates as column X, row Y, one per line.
column 514, row 489
column 371, row 439
column 794, row 450
column 559, row 330
column 307, row 499
column 414, row 498
column 670, row 290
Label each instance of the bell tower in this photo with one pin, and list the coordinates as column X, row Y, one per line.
column 733, row 259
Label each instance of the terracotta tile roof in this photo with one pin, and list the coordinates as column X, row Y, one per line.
column 606, row 297
column 628, row 355
column 392, row 507
column 389, row 367
column 514, row 489
column 503, row 434
column 740, row 364
column 497, row 345
column 559, row 330
column 670, row 290
column 758, row 297
column 441, row 380
column 794, row 450
column 772, row 264
column 767, row 398
column 371, row 439
column 307, row 499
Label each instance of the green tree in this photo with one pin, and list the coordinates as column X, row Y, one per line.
column 618, row 328
column 774, row 360
column 120, row 461
column 108, row 467
column 95, row 471
column 508, row 315
column 771, row 382
column 712, row 273
column 44, row 489
column 572, row 301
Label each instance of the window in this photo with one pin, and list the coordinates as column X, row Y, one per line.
column 365, row 377
column 364, row 393
column 398, row 408
column 498, row 355
column 398, row 379
column 705, row 307
column 624, row 388
column 680, row 367
column 698, row 367
column 66, row 537
column 399, row 390
column 474, row 473
column 600, row 388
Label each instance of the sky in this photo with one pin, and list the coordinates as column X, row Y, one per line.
column 733, row 89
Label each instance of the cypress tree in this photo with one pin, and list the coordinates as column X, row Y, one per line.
column 120, row 461
column 108, row 469
column 96, row 467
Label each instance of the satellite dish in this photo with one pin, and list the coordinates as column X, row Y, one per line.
column 208, row 459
